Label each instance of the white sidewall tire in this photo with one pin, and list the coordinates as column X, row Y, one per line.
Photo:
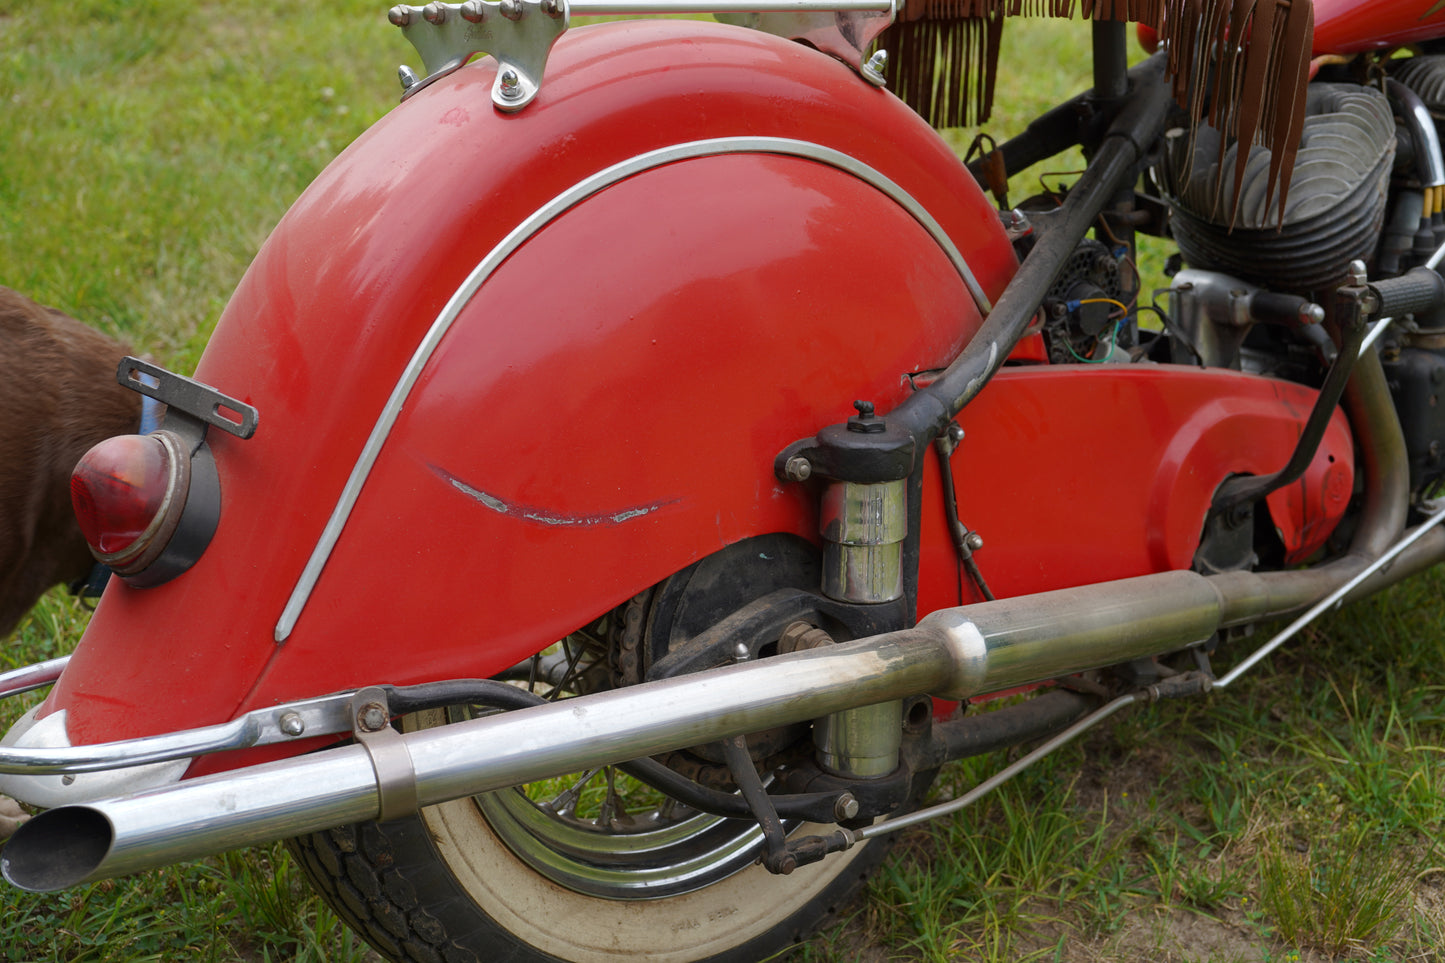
column 586, row 929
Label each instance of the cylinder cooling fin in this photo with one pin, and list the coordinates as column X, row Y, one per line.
column 1425, row 76
column 1335, row 206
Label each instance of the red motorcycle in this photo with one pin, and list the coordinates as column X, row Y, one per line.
column 694, row 347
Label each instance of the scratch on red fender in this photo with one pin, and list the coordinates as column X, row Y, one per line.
column 543, row 516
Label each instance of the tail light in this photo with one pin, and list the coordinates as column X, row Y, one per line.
column 146, row 504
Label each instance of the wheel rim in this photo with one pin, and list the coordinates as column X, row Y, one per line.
column 661, row 854
column 617, row 848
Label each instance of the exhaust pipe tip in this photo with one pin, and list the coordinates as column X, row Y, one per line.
column 57, row 849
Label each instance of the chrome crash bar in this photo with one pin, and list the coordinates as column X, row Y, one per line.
column 29, row 677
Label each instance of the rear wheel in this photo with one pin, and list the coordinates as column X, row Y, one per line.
column 592, row 867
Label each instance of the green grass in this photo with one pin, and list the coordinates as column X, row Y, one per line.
column 146, row 148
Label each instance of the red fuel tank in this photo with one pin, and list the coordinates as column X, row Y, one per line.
column 1352, row 26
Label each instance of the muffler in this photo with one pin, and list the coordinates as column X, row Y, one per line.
column 953, row 653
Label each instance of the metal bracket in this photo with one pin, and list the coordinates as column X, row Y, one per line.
column 326, row 715
column 182, row 394
column 395, row 774
column 844, row 34
column 518, row 33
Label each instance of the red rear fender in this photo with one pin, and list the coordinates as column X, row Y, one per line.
column 600, row 397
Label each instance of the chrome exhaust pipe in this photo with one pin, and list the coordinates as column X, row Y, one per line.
column 953, row 653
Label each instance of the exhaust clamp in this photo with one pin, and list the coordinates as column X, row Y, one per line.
column 390, row 759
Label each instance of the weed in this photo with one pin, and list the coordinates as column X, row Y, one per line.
column 1336, row 893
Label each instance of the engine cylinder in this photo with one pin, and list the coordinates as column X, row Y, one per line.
column 1332, row 214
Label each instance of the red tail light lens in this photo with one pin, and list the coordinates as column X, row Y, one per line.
column 128, row 494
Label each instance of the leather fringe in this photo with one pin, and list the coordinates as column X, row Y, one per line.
column 943, row 62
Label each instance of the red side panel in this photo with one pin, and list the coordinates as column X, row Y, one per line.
column 1075, row 474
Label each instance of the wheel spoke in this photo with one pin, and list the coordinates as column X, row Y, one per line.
column 566, row 801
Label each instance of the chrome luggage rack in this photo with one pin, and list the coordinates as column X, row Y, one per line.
column 520, row 33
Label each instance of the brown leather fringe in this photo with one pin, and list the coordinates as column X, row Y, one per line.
column 943, row 62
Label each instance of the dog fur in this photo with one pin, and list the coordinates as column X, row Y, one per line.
column 58, row 397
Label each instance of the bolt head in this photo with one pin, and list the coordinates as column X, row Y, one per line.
column 400, row 16
column 372, row 717
column 875, row 68
column 512, row 9
column 845, row 807
column 511, row 84
column 473, row 11
column 407, row 76
column 798, row 469
column 553, row 9
column 292, row 724
column 435, row 13
column 974, row 541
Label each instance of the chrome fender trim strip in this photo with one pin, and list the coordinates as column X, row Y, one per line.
column 543, row 216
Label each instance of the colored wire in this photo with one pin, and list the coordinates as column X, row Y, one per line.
column 1118, row 304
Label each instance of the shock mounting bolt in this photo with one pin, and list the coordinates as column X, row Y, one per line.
column 845, row 807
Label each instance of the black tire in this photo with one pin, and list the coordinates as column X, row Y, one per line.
column 441, row 887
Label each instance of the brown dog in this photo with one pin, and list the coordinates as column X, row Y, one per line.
column 58, row 397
